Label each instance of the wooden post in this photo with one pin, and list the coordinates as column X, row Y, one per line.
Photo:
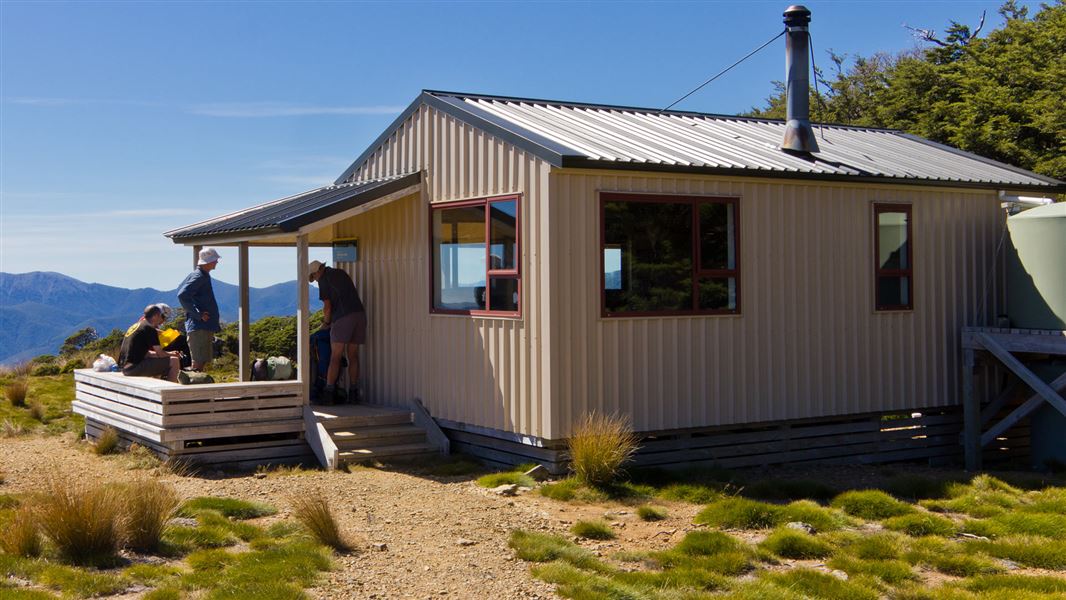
column 303, row 336
column 971, row 405
column 196, row 255
column 243, row 315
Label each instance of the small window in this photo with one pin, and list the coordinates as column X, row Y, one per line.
column 893, row 272
column 475, row 254
column 669, row 255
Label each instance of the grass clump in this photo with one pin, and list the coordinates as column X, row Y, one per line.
column 740, row 513
column 578, row 584
column 80, row 583
column 694, row 493
column 1028, row 523
column 107, row 443
column 819, row 517
column 22, row 534
column 313, row 512
column 593, row 530
column 789, row 489
column 707, row 543
column 600, row 447
column 540, row 547
column 879, row 546
column 15, row 392
column 149, row 504
column 84, row 523
column 950, row 558
column 871, row 505
column 1028, row 583
column 37, row 412
column 985, row 496
column 920, row 524
column 1031, row 551
column 280, row 571
column 791, row 543
column 232, row 508
column 916, row 487
column 808, row 583
column 514, row 477
column 890, row 571
column 651, row 513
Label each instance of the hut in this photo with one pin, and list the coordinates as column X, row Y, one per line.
column 746, row 291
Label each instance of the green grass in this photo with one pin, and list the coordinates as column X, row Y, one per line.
column 814, row 584
column 573, row 489
column 741, row 513
column 540, row 547
column 917, row 487
column 506, row 477
column 593, row 530
column 651, row 513
column 80, row 583
column 920, row 524
column 1030, row 551
column 872, row 505
column 791, row 543
column 1029, row 583
column 890, row 571
column 789, row 489
column 877, row 546
column 54, row 394
column 694, row 493
column 230, row 507
column 582, row 585
column 707, row 543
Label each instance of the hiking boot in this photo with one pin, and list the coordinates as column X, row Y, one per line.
column 354, row 396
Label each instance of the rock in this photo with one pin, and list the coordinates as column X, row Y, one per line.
column 1010, row 565
column 507, row 489
column 841, row 575
column 380, row 547
column 465, row 542
column 538, row 473
column 260, row 475
column 800, row 526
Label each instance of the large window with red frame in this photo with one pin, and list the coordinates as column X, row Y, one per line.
column 476, row 257
column 893, row 268
column 665, row 255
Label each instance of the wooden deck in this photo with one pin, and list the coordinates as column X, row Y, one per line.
column 234, row 423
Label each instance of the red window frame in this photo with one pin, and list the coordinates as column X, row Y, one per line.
column 698, row 271
column 490, row 273
column 878, row 271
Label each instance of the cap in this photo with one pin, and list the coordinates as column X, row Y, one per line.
column 165, row 309
column 207, row 256
column 313, row 269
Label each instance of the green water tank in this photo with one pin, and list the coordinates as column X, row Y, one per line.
column 1036, row 268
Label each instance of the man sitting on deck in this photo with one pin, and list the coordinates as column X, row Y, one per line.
column 344, row 315
column 141, row 354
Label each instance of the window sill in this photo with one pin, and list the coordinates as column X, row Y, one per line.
column 478, row 315
column 608, row 318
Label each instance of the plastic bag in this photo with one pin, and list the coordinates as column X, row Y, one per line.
column 104, row 363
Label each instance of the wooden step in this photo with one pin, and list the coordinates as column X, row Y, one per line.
column 349, row 416
column 346, row 439
column 397, row 451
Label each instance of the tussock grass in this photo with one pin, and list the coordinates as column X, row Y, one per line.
column 1030, row 523
column 890, row 571
column 706, row 543
column 878, row 546
column 950, row 558
column 1031, row 551
column 572, row 489
column 8, row 501
column 742, row 513
column 540, row 547
column 651, row 513
column 709, row 551
column 149, row 504
column 84, row 523
column 592, row 530
column 920, row 524
column 694, row 493
column 985, row 496
column 814, row 584
column 790, row 543
column 1051, row 500
column 819, row 517
column 15, row 392
column 37, row 411
column 21, row 534
column 1029, row 583
column 581, row 585
column 313, row 512
column 789, row 489
column 11, row 429
column 599, row 448
column 107, row 443
column 232, row 508
column 871, row 505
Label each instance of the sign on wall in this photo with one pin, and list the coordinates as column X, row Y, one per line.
column 345, row 250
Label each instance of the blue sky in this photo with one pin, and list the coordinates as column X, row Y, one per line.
column 121, row 120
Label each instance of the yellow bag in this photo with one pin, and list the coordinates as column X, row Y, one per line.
column 166, row 336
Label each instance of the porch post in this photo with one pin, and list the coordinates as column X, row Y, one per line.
column 196, row 255
column 243, row 352
column 303, row 336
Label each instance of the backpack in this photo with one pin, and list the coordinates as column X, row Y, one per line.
column 194, row 378
column 280, row 368
column 260, row 370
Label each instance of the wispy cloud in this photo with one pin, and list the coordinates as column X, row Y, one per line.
column 248, row 110
column 37, row 101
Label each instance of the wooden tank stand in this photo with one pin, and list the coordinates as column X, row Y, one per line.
column 1002, row 344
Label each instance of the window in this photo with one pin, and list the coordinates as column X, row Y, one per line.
column 475, row 257
column 893, row 269
column 669, row 255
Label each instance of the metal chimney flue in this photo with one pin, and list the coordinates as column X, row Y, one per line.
column 799, row 136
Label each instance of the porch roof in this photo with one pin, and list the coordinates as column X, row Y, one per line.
column 294, row 213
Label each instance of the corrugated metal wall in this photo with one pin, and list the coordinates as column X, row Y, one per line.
column 487, row 372
column 808, row 342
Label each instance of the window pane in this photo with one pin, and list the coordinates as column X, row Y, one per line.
column 718, row 293
column 504, row 294
column 655, row 240
column 892, row 240
column 612, row 268
column 458, row 257
column 717, row 243
column 504, row 249
column 893, row 291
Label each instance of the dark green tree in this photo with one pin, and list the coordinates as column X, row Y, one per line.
column 77, row 341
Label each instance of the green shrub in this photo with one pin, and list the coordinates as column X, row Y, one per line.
column 871, row 504
column 74, row 363
column 740, row 513
column 599, row 448
column 43, row 359
column 920, row 524
column 46, row 370
column 651, row 513
column 593, row 530
column 83, row 523
column 15, row 392
column 229, row 507
column 790, row 543
column 313, row 512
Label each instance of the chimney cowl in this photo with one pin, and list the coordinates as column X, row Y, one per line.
column 799, row 135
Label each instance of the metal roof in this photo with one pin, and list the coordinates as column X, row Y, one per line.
column 568, row 134
column 291, row 213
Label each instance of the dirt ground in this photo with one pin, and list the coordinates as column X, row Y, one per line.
column 444, row 537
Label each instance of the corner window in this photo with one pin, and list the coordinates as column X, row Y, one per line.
column 664, row 255
column 475, row 252
column 893, row 268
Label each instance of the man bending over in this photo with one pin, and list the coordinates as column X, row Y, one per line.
column 345, row 317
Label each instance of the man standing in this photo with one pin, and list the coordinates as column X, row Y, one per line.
column 344, row 315
column 201, row 311
column 141, row 354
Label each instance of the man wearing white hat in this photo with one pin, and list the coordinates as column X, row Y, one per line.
column 201, row 310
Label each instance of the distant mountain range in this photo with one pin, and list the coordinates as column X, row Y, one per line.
column 39, row 310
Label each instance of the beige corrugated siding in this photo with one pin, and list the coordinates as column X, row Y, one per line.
column 808, row 342
column 480, row 371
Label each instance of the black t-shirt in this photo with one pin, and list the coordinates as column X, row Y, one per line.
column 336, row 286
column 137, row 345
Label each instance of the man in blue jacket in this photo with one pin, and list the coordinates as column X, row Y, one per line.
column 201, row 310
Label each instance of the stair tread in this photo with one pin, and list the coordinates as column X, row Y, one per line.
column 376, row 431
column 385, row 450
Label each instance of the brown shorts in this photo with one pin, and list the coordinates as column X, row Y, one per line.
column 151, row 366
column 349, row 329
